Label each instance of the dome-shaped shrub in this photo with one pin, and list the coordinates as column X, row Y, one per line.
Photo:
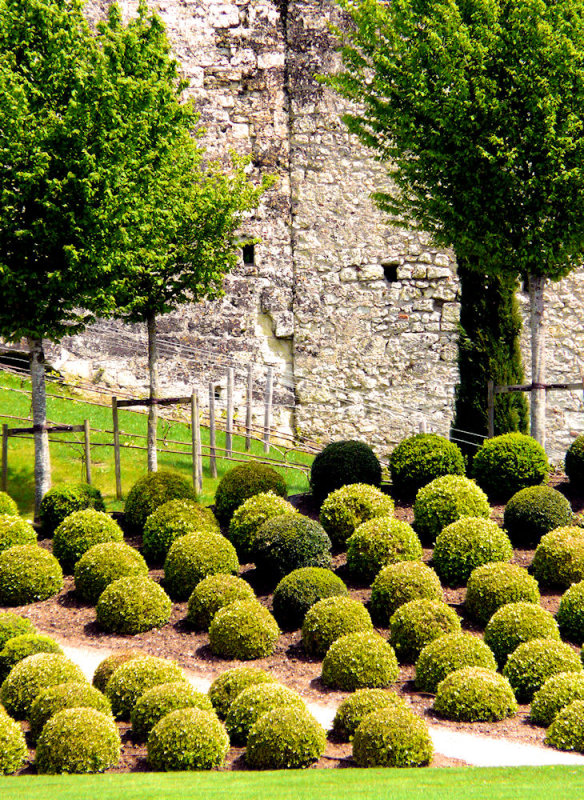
column 534, row 511
column 72, row 694
column 103, row 564
column 378, row 542
column 160, row 700
column 567, row 730
column 392, row 738
column 494, row 585
column 300, row 590
column 251, row 703
column 106, row 668
column 195, row 556
column 348, row 507
column 559, row 557
column 249, row 517
column 28, row 573
column 355, row 708
column 288, row 542
column 556, row 693
column 15, row 530
column 473, row 694
column 13, row 625
column 8, row 505
column 505, row 464
column 187, row 739
column 449, row 653
column 13, row 749
column 468, row 543
column 30, row 676
column 515, row 623
column 133, row 605
column 420, row 459
column 80, row 531
column 230, row 683
column 532, row 663
column 443, row 501
column 91, row 496
column 78, row 740
column 417, row 623
column 61, row 501
column 243, row 482
column 134, row 677
column 331, row 618
column 343, row 462
column 213, row 593
column 27, row 644
column 399, row 583
column 172, row 520
column 152, row 491
column 574, row 461
column 570, row 614
column 244, row 630
column 288, row 738
column 359, row 661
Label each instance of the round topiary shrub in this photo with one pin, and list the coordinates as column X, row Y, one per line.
column 417, row 623
column 331, row 618
column 27, row 644
column 355, row 708
column 556, row 693
column 532, row 663
column 13, row 749
column 516, row 623
column 15, row 530
column 570, row 616
column 559, row 557
column 399, row 583
column 64, row 695
column 213, row 593
column 8, row 505
column 494, row 585
column 249, row 517
column 289, row 542
column 152, row 491
column 449, row 653
column 392, row 738
column 420, row 459
column 378, row 542
column 466, row 544
column 243, row 630
column 160, row 700
column 245, row 481
column 359, row 661
column 187, row 739
column 30, row 676
column 567, row 730
column 91, row 496
column 230, row 683
column 343, row 462
column 78, row 740
column 109, row 665
column 300, row 590
column 510, row 462
column 534, row 511
column 28, row 573
column 134, row 677
column 61, row 501
column 194, row 557
column 103, row 564
column 251, row 703
column 172, row 520
column 574, row 461
column 80, row 531
column 288, row 738
column 13, row 625
column 443, row 501
column 348, row 507
column 133, row 605
column 473, row 694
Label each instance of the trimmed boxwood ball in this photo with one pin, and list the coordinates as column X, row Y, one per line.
column 331, row 618
column 13, row 749
column 346, row 508
column 505, row 464
column 27, row 644
column 556, row 693
column 194, row 557
column 91, row 495
column 392, row 738
column 8, row 505
column 355, row 708
column 574, row 461
column 172, row 520
column 30, row 676
column 443, row 501
column 300, row 590
column 420, row 459
column 226, row 687
column 106, row 668
column 288, row 738
column 559, row 557
column 133, row 605
column 64, row 695
column 80, row 531
column 359, row 661
column 417, row 623
column 494, row 585
column 245, row 481
column 567, row 730
column 61, row 501
column 515, row 623
column 249, row 517
column 13, row 625
column 28, row 573
column 473, row 694
column 213, row 593
column 449, row 653
column 570, row 616
column 15, row 530
column 134, row 677
column 251, row 703
column 160, row 700
column 288, row 542
column 534, row 511
column 378, row 542
column 341, row 463
column 532, row 663
column 468, row 543
column 78, row 740
column 187, row 739
column 244, row 630
column 103, row 564
column 399, row 583
column 152, row 491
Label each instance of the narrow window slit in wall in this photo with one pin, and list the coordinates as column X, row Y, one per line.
column 390, row 272
column 248, row 253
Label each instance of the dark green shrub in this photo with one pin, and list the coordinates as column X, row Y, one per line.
column 567, row 730
column 559, row 557
column 251, row 703
column 78, row 740
column 213, row 593
column 443, row 501
column 532, row 663
column 494, row 585
column 187, row 739
column 152, row 491
column 570, row 616
column 249, row 517
column 289, row 542
column 449, row 653
column 468, row 543
column 419, row 459
column 288, row 738
column 28, row 573
column 80, row 531
column 13, row 749
column 30, row 676
column 109, row 665
column 399, row 583
column 103, row 564
column 172, row 520
column 510, row 462
column 392, row 738
column 346, row 508
column 516, row 623
column 243, row 630
column 13, row 625
column 243, row 482
column 8, row 505
column 91, row 495
column 359, row 661
column 331, row 618
column 556, row 693
column 134, row 677
column 417, row 623
column 378, row 542
column 473, row 694
column 343, row 462
column 64, row 695
column 61, row 501
column 160, row 700
column 226, row 687
column 574, row 461
column 15, row 530
column 194, row 557
column 355, row 708
column 133, row 605
column 300, row 590
column 533, row 511
column 27, row 644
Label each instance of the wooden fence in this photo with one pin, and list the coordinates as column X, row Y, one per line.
column 493, row 389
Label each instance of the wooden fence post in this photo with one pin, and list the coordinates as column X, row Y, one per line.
column 490, row 409
column 268, row 409
column 229, row 420
column 423, row 427
column 4, row 457
column 117, row 460
column 87, row 451
column 212, row 452
column 249, row 409
column 196, row 436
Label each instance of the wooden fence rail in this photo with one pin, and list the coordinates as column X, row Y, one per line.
column 493, row 389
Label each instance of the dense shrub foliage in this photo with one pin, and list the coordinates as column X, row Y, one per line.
column 61, row 501
column 473, row 694
column 194, row 557
column 341, row 463
column 468, row 543
column 445, row 500
column 515, row 623
column 508, row 463
column 27, row 644
column 13, row 625
column 417, row 623
column 249, row 517
column 226, row 687
column 392, row 738
column 359, row 661
column 570, row 614
column 533, row 662
column 13, row 749
column 331, row 618
column 245, row 481
column 78, row 740
column 8, row 505
column 556, row 693
column 251, row 703
column 15, row 530
column 160, row 700
column 244, row 630
column 399, row 583
column 574, row 461
column 288, row 542
column 80, row 531
column 288, row 738
column 420, row 459
column 170, row 521
column 134, row 677
column 28, row 573
column 534, row 511
column 355, row 708
column 494, row 585
column 30, row 676
column 298, row 591
column 378, row 542
column 109, row 665
column 346, row 508
column 187, row 739
column 213, row 593
column 449, row 653
column 133, row 605
column 152, row 491
column 72, row 694
column 103, row 564
column 559, row 557
column 567, row 730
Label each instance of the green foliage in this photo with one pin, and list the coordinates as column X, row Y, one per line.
column 159, row 701
column 288, row 738
column 392, row 738
column 534, row 511
column 78, row 740
column 567, row 730
column 30, row 676
column 570, row 614
column 243, row 630
column 80, row 531
column 134, row 677
column 559, row 557
column 417, row 623
column 556, row 693
column 211, row 594
column 106, row 668
column 445, row 500
column 187, row 739
column 227, row 686
column 341, row 463
column 249, row 517
column 243, row 482
column 27, row 644
column 574, row 461
column 508, row 463
column 355, row 708
column 133, row 605
column 196, row 556
column 331, row 618
column 378, row 542
column 251, row 703
column 13, row 625
column 533, row 662
column 288, row 542
column 91, row 495
column 473, row 694
column 358, row 661
column 56, row 506
column 13, row 749
column 15, row 530
column 419, row 459
column 346, row 508
column 298, row 591
column 449, row 653
column 515, row 623
column 28, row 573
column 8, row 505
column 64, row 695
column 172, row 520
column 151, row 492
column 468, row 543
column 399, row 583
column 494, row 585
column 104, row 563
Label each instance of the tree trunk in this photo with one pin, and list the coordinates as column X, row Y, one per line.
column 153, row 376
column 538, row 396
column 42, row 458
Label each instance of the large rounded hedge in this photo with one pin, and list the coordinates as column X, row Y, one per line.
column 134, row 677
column 226, row 687
column 187, row 739
column 28, row 573
column 243, row 482
column 534, row 511
column 288, row 738
column 494, row 585
column 30, row 676
column 152, row 491
column 358, row 661
column 13, row 749
column 378, row 542
column 532, row 663
column 570, row 614
column 399, row 583
column 106, row 668
column 159, row 701
column 103, row 564
column 567, row 730
column 473, row 694
column 61, row 501
column 288, row 542
column 355, row 708
column 559, row 557
column 133, row 605
column 249, row 517
column 13, row 625
column 244, row 630
column 515, row 623
column 78, row 740
column 213, row 593
column 27, row 644
column 251, row 703
column 196, row 556
column 449, row 653
column 346, row 508
column 298, row 591
column 420, row 459
column 417, row 623
column 443, row 501
column 574, row 461
column 392, row 738
column 340, row 463
column 8, row 505
column 80, row 531
column 556, row 693
column 331, row 618
column 72, row 694
column 15, row 530
column 468, row 543
column 510, row 462
column 170, row 521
